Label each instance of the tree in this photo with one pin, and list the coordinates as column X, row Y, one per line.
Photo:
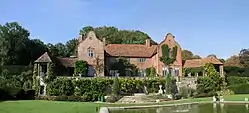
column 13, row 43
column 233, row 61
column 85, row 30
column 122, row 65
column 99, row 65
column 52, row 50
column 188, row 55
column 81, row 67
column 244, row 57
column 62, row 50
column 36, row 48
column 72, row 46
column 212, row 55
column 115, row 36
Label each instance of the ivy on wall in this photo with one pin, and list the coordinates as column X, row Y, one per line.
column 150, row 72
column 168, row 54
column 50, row 72
column 168, row 57
column 81, row 67
column 35, row 80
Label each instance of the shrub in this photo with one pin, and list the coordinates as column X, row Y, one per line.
column 186, row 92
column 80, row 68
column 225, row 92
column 208, row 84
column 60, row 86
column 233, row 80
column 240, row 88
column 16, row 94
column 201, row 95
column 113, row 98
column 116, row 87
column 150, row 72
column 62, row 98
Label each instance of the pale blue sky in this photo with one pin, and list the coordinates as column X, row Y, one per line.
column 203, row 26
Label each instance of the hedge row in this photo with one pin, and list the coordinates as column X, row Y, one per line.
column 233, row 80
column 92, row 88
column 16, row 94
column 240, row 88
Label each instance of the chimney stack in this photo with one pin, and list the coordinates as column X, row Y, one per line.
column 80, row 38
column 147, row 42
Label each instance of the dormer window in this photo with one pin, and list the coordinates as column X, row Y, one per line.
column 90, row 52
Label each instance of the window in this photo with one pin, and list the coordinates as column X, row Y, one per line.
column 141, row 59
column 141, row 72
column 113, row 72
column 164, row 73
column 90, row 52
column 177, row 71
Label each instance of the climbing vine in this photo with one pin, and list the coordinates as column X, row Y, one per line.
column 35, row 80
column 50, row 73
column 81, row 67
column 168, row 58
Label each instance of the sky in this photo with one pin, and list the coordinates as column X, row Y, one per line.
column 203, row 26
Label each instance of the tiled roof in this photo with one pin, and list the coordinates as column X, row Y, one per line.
column 44, row 58
column 201, row 62
column 66, row 62
column 130, row 50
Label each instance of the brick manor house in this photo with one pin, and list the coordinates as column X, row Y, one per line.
column 141, row 55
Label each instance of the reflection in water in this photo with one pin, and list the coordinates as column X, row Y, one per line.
column 214, row 108
column 194, row 108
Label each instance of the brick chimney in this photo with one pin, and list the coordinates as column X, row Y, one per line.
column 80, row 38
column 147, row 42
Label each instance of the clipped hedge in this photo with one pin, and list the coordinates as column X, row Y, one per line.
column 240, row 88
column 233, row 80
column 93, row 88
column 16, row 94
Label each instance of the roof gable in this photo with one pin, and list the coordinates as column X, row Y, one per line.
column 44, row 58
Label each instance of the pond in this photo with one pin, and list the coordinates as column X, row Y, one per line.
column 191, row 108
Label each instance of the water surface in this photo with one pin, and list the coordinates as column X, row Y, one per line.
column 194, row 108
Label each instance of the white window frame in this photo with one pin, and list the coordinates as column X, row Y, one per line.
column 90, row 52
column 113, row 72
column 141, row 60
column 141, row 72
column 164, row 71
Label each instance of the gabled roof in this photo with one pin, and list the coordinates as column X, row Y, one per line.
column 44, row 58
column 130, row 50
column 201, row 62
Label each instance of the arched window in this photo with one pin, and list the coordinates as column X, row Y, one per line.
column 90, row 52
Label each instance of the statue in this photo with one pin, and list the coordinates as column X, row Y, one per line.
column 214, row 99
column 160, row 91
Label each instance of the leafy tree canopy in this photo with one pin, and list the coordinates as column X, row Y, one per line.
column 116, row 36
column 188, row 55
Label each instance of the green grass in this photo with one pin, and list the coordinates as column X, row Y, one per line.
column 40, row 106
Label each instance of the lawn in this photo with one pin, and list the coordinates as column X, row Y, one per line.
column 40, row 106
